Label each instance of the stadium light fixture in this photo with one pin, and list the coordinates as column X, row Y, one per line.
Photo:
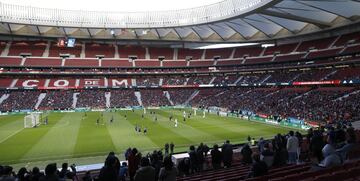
column 267, row 45
column 226, row 45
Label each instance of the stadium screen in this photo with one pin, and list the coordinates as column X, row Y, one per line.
column 66, row 42
column 71, row 42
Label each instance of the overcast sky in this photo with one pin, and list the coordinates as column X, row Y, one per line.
column 114, row 5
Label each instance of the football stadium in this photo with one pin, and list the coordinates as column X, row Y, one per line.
column 180, row 90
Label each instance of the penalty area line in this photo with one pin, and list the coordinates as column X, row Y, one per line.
column 11, row 135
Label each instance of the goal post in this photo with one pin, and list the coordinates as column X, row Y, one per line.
column 32, row 120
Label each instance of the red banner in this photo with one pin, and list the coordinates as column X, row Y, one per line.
column 332, row 82
column 64, row 83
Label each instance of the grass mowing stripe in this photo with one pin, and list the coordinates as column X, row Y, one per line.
column 93, row 139
column 158, row 133
column 122, row 133
column 59, row 141
column 236, row 129
column 10, row 125
column 209, row 126
column 186, row 129
column 13, row 149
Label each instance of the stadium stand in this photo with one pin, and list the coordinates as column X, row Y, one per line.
column 280, row 49
column 166, row 53
column 222, row 53
column 113, row 63
column 184, row 53
column 93, row 49
column 147, row 63
column 174, row 63
column 10, row 61
column 122, row 98
column 347, row 38
column 42, row 62
column 247, row 51
column 55, row 50
column 315, row 44
column 128, row 51
column 81, row 63
column 35, row 48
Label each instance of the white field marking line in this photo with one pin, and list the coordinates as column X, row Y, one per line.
column 16, row 132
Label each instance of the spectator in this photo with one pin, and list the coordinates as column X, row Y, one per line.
column 36, row 174
column 292, row 146
column 169, row 171
column 117, row 161
column 331, row 158
column 193, row 160
column 350, row 144
column 166, row 148
column 127, row 153
column 7, row 174
column 23, row 175
column 172, row 148
column 87, row 176
column 65, row 173
column 134, row 161
column 216, row 157
column 258, row 168
column 316, row 145
column 200, row 157
column 267, row 155
column 108, row 171
column 246, row 153
column 145, row 172
column 261, row 144
column 279, row 146
column 123, row 172
column 50, row 173
column 227, row 152
column 184, row 166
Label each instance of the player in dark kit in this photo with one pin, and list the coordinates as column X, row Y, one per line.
column 145, row 130
column 170, row 118
column 112, row 119
column 98, row 121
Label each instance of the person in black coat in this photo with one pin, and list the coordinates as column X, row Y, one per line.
column 227, row 153
column 193, row 159
column 246, row 153
column 316, row 145
column 108, row 171
column 216, row 157
column 50, row 173
column 258, row 168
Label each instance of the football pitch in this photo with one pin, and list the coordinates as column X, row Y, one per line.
column 76, row 138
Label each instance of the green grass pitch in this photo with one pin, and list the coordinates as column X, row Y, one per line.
column 73, row 138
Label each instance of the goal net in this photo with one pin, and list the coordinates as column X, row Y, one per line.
column 32, row 120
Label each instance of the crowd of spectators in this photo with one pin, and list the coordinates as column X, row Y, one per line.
column 148, row 81
column 317, row 104
column 154, row 98
column 94, row 98
column 180, row 96
column 123, row 98
column 174, row 80
column 57, row 100
column 19, row 100
column 325, row 104
column 51, row 173
column 197, row 80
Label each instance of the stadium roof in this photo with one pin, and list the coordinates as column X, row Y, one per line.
column 225, row 21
